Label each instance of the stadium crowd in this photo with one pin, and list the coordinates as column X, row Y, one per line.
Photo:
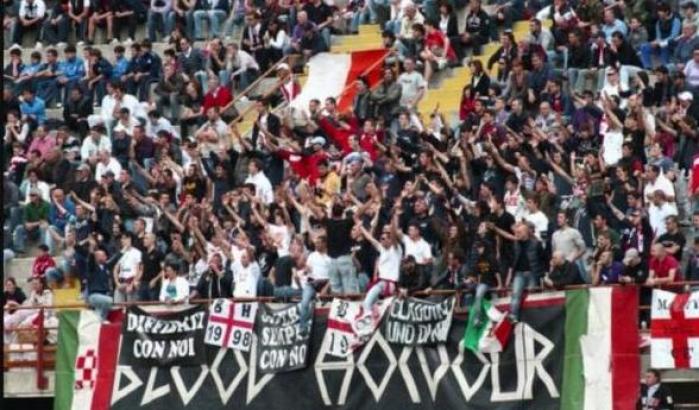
column 572, row 164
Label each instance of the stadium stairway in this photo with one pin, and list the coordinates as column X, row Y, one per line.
column 448, row 92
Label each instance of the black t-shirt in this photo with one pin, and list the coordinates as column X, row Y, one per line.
column 522, row 263
column 211, row 286
column 17, row 296
column 673, row 238
column 339, row 240
column 485, row 269
column 319, row 14
column 283, row 271
column 266, row 258
column 151, row 264
column 505, row 222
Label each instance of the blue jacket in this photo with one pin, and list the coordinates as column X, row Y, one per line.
column 36, row 108
column 121, row 67
column 60, row 221
column 73, row 70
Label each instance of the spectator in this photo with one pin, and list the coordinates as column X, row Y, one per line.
column 562, row 273
column 55, row 28
column 212, row 11
column 76, row 112
column 71, row 71
column 128, row 272
column 102, row 14
column 25, row 318
column 667, row 28
column 12, row 296
column 30, row 17
column 33, row 108
column 663, row 267
column 527, row 268
column 174, row 288
column 654, row 394
column 158, row 19
column 35, row 221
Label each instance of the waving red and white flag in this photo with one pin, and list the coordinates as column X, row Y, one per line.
column 674, row 330
column 329, row 74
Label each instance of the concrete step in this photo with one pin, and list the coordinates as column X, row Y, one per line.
column 370, row 28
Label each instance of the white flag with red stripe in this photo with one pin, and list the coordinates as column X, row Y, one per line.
column 230, row 324
column 350, row 327
column 674, row 330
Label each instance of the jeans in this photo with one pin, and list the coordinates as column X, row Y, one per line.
column 124, row 296
column 518, row 283
column 21, row 234
column 171, row 101
column 47, row 90
column 343, row 275
column 145, row 292
column 188, row 18
column 215, row 18
column 372, row 296
column 308, row 294
column 55, row 33
column 286, row 292
column 101, row 303
column 246, row 78
column 158, row 22
column 325, row 35
column 232, row 23
column 648, row 51
column 481, row 290
column 377, row 7
column 7, row 256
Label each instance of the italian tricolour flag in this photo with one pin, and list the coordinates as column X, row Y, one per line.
column 329, row 74
column 85, row 360
column 601, row 369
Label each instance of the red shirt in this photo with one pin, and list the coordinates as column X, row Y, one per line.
column 663, row 267
column 438, row 39
column 219, row 97
column 41, row 263
column 368, row 144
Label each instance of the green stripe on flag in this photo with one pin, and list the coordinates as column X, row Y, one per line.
column 65, row 359
column 473, row 333
column 573, row 390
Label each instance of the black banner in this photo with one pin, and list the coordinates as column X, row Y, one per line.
column 280, row 344
column 379, row 375
column 417, row 322
column 171, row 339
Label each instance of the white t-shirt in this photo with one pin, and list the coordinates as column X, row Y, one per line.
column 263, row 188
column 245, row 279
column 514, row 204
column 389, row 263
column 410, row 83
column 128, row 263
column 661, row 183
column 319, row 265
column 419, row 249
column 113, row 165
column 281, row 237
column 657, row 215
column 540, row 222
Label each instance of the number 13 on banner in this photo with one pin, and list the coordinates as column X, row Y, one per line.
column 230, row 324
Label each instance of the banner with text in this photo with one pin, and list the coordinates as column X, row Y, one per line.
column 170, row 339
column 349, row 328
column 417, row 322
column 281, row 345
column 230, row 324
column 527, row 375
column 545, row 365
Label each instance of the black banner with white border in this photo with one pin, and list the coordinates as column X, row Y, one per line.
column 165, row 340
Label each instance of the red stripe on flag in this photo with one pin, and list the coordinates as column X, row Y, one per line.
column 679, row 328
column 338, row 325
column 110, row 337
column 626, row 368
column 361, row 61
column 534, row 303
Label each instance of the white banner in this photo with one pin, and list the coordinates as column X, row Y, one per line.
column 674, row 339
column 230, row 324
